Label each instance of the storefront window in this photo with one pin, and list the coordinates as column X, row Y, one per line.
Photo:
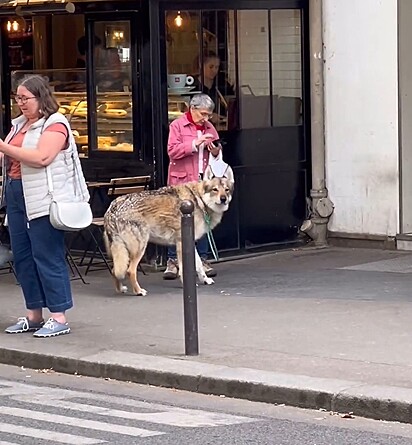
column 254, row 70
column 35, row 46
column 112, row 71
column 197, row 61
column 260, row 47
column 286, row 67
column 270, row 68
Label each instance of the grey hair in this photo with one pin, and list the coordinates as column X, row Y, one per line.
column 202, row 101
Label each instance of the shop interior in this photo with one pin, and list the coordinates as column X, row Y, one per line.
column 35, row 46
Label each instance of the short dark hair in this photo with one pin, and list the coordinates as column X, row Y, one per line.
column 82, row 44
column 40, row 88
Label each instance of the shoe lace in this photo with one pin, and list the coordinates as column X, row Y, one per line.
column 49, row 324
column 23, row 321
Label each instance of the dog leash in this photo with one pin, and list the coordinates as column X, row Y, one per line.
column 210, row 237
column 209, row 233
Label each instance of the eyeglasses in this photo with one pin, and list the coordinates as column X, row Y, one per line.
column 205, row 114
column 23, row 99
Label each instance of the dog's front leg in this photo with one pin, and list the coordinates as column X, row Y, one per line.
column 179, row 259
column 203, row 278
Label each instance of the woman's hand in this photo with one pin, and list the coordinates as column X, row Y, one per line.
column 214, row 148
column 205, row 138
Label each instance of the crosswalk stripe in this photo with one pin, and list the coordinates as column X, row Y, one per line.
column 81, row 423
column 2, row 442
column 47, row 435
column 169, row 415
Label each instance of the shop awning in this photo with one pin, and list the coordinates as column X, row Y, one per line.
column 30, row 7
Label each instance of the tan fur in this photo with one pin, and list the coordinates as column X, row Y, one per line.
column 134, row 220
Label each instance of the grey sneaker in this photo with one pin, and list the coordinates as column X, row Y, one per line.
column 52, row 328
column 172, row 270
column 209, row 271
column 23, row 325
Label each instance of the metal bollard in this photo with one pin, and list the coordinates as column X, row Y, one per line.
column 189, row 279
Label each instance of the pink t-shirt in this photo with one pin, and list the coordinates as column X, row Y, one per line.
column 14, row 171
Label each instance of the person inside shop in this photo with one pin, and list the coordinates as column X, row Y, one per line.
column 38, row 139
column 109, row 72
column 81, row 59
column 212, row 83
column 191, row 148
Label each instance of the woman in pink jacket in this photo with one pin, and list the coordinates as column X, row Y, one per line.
column 191, row 149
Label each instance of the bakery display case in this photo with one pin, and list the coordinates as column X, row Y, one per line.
column 114, row 118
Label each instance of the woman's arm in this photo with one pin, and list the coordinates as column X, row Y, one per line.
column 177, row 148
column 48, row 147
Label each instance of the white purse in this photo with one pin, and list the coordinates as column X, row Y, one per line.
column 69, row 216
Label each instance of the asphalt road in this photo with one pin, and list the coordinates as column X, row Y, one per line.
column 43, row 407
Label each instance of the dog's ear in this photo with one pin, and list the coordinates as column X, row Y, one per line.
column 229, row 175
column 208, row 174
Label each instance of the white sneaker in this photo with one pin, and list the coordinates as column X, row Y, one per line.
column 172, row 270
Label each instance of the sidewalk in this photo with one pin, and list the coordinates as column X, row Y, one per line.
column 328, row 328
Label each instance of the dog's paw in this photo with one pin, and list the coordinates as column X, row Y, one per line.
column 142, row 292
column 208, row 280
column 123, row 289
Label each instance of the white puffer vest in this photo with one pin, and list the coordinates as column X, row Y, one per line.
column 68, row 186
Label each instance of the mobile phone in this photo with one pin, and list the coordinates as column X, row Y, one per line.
column 219, row 141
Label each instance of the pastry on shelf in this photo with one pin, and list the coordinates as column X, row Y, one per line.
column 82, row 140
column 123, row 146
column 115, row 113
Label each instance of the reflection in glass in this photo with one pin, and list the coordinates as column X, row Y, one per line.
column 286, row 67
column 254, row 70
column 112, row 70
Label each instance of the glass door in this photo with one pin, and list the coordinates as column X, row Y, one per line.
column 113, row 85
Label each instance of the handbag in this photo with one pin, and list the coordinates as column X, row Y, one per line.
column 69, row 216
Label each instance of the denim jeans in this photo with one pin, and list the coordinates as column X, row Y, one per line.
column 39, row 255
column 202, row 246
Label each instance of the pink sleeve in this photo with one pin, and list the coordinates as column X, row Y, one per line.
column 177, row 148
column 60, row 128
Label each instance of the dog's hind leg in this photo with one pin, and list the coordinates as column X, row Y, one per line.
column 135, row 258
column 120, row 256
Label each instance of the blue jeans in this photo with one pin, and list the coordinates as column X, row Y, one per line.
column 202, row 246
column 39, row 255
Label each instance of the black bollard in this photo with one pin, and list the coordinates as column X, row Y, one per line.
column 189, row 279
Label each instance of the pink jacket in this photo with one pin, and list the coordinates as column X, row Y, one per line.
column 184, row 163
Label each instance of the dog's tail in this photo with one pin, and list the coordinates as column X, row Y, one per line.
column 117, row 250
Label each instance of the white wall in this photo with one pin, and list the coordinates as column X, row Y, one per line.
column 361, row 115
column 405, row 96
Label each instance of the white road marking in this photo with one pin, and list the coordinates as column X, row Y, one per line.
column 80, row 423
column 47, row 435
column 112, row 407
column 160, row 414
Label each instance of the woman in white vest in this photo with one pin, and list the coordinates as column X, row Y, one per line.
column 39, row 137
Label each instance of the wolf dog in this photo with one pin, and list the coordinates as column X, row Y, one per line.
column 134, row 220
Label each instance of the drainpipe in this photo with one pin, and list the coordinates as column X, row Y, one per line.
column 321, row 207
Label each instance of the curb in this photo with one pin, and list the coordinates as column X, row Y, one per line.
column 377, row 402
